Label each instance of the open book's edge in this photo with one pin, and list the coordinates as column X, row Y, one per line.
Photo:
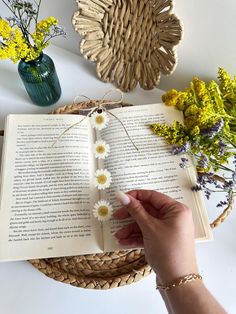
column 191, row 172
column 3, row 168
column 6, row 152
column 18, row 259
column 201, row 207
column 200, row 204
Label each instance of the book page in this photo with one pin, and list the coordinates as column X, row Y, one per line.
column 47, row 192
column 151, row 167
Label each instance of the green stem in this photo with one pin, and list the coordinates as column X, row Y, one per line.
column 221, row 166
column 227, row 139
column 195, row 96
column 231, row 118
column 214, row 162
column 228, row 117
column 216, row 191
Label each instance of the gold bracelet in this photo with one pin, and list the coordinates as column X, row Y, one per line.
column 179, row 282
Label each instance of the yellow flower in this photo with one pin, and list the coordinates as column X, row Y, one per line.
column 226, row 84
column 47, row 23
column 5, row 29
column 195, row 131
column 200, row 90
column 181, row 101
column 42, row 29
column 14, row 45
column 32, row 54
column 175, row 99
column 191, row 110
column 170, row 98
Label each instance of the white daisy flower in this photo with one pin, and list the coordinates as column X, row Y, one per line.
column 101, row 149
column 102, row 210
column 99, row 120
column 102, row 179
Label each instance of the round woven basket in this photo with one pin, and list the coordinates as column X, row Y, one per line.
column 131, row 41
column 108, row 270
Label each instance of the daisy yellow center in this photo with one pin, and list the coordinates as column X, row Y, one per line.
column 100, row 149
column 102, row 179
column 99, row 119
column 103, row 211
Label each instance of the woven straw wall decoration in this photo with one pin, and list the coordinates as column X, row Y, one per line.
column 132, row 41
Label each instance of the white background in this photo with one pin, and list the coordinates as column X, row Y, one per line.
column 209, row 42
column 209, row 36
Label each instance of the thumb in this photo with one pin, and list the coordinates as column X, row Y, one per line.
column 134, row 208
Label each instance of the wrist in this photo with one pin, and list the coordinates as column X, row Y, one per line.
column 181, row 281
column 168, row 276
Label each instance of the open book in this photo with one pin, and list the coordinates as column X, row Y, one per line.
column 47, row 193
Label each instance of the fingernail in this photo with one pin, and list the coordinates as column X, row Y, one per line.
column 123, row 198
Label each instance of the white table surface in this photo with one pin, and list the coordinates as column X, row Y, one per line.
column 24, row 290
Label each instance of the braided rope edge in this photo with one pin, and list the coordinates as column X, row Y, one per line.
column 91, row 282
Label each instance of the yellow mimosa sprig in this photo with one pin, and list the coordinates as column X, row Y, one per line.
column 22, row 36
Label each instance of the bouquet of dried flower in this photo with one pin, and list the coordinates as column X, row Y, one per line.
column 208, row 134
column 22, row 37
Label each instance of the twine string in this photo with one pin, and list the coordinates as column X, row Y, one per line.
column 70, row 127
column 119, row 101
column 102, row 102
column 75, row 102
column 100, row 105
column 125, row 130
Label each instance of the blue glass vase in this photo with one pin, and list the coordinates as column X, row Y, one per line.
column 40, row 79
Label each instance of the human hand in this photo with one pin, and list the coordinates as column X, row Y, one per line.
column 164, row 227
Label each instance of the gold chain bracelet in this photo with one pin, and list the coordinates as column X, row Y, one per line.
column 180, row 281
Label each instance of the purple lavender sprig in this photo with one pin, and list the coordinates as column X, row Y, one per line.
column 185, row 163
column 227, row 201
column 177, row 149
column 203, row 162
column 222, row 146
column 214, row 130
